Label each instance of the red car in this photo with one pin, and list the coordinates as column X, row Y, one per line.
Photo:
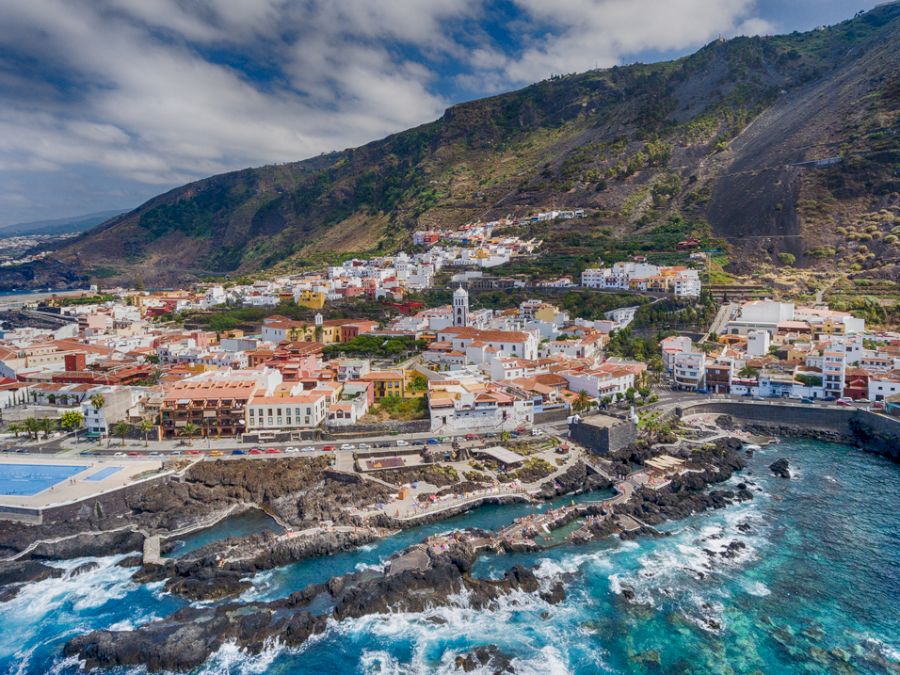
column 843, row 404
column 134, row 454
column 328, row 448
column 273, row 451
column 256, row 451
column 193, row 452
column 471, row 437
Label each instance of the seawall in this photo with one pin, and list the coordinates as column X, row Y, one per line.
column 871, row 431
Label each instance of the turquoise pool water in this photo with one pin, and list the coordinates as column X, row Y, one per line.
column 29, row 479
column 104, row 473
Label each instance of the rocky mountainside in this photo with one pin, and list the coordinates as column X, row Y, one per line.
column 784, row 148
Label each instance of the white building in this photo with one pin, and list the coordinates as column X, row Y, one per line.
column 882, row 386
column 460, row 307
column 758, row 342
column 689, row 370
column 300, row 411
column 672, row 346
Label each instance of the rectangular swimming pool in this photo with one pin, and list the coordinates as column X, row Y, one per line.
column 29, row 479
column 104, row 473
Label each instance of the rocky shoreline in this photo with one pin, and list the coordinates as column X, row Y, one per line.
column 429, row 574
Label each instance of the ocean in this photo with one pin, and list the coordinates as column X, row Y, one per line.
column 811, row 585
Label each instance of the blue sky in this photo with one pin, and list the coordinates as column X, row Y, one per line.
column 106, row 103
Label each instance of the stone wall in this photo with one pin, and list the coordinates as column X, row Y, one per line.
column 601, row 434
column 383, row 429
column 551, row 416
column 871, row 431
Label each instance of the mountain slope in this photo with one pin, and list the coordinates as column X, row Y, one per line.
column 715, row 137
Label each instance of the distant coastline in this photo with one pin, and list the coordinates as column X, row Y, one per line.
column 25, row 295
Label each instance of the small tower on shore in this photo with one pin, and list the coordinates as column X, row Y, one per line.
column 460, row 307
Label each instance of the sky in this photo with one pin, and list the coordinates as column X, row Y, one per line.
column 106, row 103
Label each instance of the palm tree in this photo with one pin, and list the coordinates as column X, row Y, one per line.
column 16, row 428
column 97, row 401
column 189, row 430
column 146, row 426
column 121, row 430
column 33, row 427
column 45, row 425
column 582, row 401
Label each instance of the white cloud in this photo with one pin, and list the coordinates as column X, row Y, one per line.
column 598, row 33
column 159, row 92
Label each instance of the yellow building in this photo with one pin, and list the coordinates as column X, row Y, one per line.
column 311, row 299
column 386, row 383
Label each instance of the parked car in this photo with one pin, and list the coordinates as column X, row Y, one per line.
column 291, row 449
column 256, row 451
column 133, row 453
column 364, row 446
column 401, row 443
column 216, row 453
column 273, row 451
column 432, row 441
column 862, row 401
column 307, row 448
column 878, row 405
column 119, row 454
column 348, row 446
column 843, row 403
column 238, row 452
column 757, row 398
column 193, row 452
column 328, row 448
column 471, row 437
column 806, row 400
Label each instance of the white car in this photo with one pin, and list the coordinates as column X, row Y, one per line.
column 401, row 443
column 308, row 448
column 292, row 449
column 119, row 454
column 348, row 446
column 364, row 446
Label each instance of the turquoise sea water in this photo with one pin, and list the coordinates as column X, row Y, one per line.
column 816, row 589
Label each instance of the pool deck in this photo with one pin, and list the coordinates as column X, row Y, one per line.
column 77, row 487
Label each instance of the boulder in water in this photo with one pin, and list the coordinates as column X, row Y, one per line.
column 780, row 468
column 489, row 657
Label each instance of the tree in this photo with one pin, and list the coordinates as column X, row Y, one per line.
column 748, row 371
column 97, row 401
column 121, row 430
column 605, row 401
column 45, row 425
column 16, row 428
column 146, row 426
column 582, row 402
column 629, row 394
column 32, row 427
column 189, row 430
column 71, row 420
